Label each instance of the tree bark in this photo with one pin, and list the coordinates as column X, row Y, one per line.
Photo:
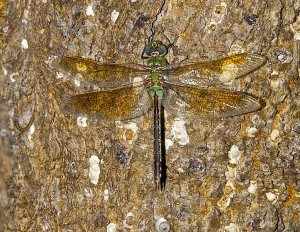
column 234, row 174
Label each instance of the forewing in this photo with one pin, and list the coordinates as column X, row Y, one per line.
column 209, row 103
column 103, row 75
column 119, row 104
column 213, row 73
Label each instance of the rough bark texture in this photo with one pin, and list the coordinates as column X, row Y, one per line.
column 236, row 174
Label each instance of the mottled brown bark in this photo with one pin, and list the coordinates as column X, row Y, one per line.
column 235, row 174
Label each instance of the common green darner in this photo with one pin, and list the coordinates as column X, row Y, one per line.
column 191, row 90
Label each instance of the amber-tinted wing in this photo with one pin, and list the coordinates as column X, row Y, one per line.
column 214, row 72
column 104, row 75
column 208, row 103
column 119, row 104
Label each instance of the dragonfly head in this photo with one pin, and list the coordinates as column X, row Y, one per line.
column 154, row 48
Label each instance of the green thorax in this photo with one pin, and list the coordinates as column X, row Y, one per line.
column 157, row 61
column 155, row 52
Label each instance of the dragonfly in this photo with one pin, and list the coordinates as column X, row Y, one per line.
column 192, row 90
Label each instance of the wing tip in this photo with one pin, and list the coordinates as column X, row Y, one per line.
column 260, row 60
column 257, row 104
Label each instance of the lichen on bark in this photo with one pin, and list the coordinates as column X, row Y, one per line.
column 51, row 188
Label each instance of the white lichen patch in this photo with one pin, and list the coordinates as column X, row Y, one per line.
column 4, row 70
column 3, row 133
column 127, row 221
column 52, row 61
column 42, row 31
column 276, row 84
column 59, row 75
column 255, row 119
column 24, row 44
column 179, row 133
column 94, row 171
column 168, row 143
column 232, row 228
column 274, row 73
column 272, row 197
column 114, row 16
column 106, row 194
column 89, row 11
column 77, row 82
column 231, row 173
column 5, row 29
column 229, row 192
column 234, row 154
column 128, row 131
column 219, row 11
column 295, row 27
column 31, row 130
column 30, row 134
column 251, row 132
column 82, row 121
column 144, row 146
column 102, row 161
column 137, row 81
column 162, row 225
column 180, row 170
column 225, row 202
column 285, row 57
column 11, row 77
column 88, row 192
column 25, row 16
column 111, row 227
column 229, row 189
column 274, row 134
column 252, row 187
